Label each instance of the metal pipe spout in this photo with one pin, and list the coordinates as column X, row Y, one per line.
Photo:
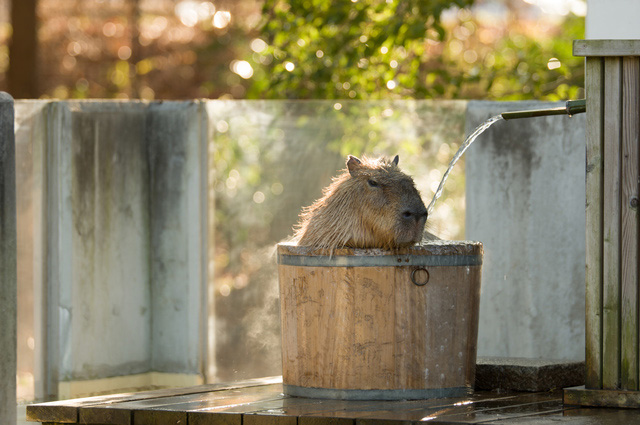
column 572, row 107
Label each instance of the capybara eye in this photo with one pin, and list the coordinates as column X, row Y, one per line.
column 372, row 183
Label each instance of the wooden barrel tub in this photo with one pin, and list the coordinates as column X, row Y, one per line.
column 380, row 325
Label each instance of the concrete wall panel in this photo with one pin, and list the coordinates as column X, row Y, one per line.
column 115, row 200
column 31, row 136
column 8, row 268
column 99, row 262
column 525, row 203
column 176, row 137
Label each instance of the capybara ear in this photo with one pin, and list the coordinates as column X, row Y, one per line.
column 396, row 160
column 354, row 165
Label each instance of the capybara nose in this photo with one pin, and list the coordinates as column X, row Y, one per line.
column 415, row 215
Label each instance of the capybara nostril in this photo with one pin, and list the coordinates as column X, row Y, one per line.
column 416, row 215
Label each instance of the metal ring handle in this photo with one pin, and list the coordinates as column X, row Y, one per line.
column 419, row 280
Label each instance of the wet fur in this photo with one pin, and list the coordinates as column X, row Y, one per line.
column 372, row 204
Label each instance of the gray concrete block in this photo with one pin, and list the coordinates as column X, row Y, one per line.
column 114, row 210
column 176, row 140
column 99, row 240
column 8, row 267
column 525, row 199
column 30, row 137
column 518, row 374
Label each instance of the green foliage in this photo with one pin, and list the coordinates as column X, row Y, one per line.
column 346, row 49
column 524, row 67
column 374, row 49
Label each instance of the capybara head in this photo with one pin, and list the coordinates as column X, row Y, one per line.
column 372, row 204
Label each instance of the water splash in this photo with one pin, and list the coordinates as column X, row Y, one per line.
column 468, row 141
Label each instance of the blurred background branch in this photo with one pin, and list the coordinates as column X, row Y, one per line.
column 354, row 49
column 22, row 74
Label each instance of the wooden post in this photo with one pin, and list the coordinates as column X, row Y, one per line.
column 612, row 224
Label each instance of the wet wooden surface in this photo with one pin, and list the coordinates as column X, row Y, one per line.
column 261, row 402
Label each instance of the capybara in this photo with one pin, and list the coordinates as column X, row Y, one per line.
column 372, row 204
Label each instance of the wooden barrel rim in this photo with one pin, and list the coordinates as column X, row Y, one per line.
column 432, row 254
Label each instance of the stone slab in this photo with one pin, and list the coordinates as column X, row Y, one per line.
column 582, row 396
column 520, row 374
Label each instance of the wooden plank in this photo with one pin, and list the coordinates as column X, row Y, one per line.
column 360, row 421
column 596, row 415
column 232, row 414
column 91, row 415
column 57, row 413
column 279, row 406
column 157, row 417
column 594, row 203
column 198, row 401
column 483, row 406
column 603, row 48
column 67, row 411
column 207, row 418
column 473, row 415
column 636, row 205
column 469, row 313
column 337, row 409
column 602, row 398
column 165, row 408
column 202, row 411
column 257, row 419
column 629, row 223
column 229, row 415
column 328, row 411
column 314, row 420
column 459, row 410
column 611, row 227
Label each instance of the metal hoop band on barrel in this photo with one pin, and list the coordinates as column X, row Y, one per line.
column 379, row 260
column 396, row 394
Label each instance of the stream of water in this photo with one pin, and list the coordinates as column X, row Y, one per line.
column 468, row 141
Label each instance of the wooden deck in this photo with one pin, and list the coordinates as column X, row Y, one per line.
column 261, row 402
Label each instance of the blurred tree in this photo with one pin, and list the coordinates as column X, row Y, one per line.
column 371, row 49
column 22, row 72
column 134, row 14
column 148, row 49
column 342, row 49
column 520, row 59
column 348, row 48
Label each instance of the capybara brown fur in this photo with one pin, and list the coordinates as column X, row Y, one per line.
column 372, row 204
